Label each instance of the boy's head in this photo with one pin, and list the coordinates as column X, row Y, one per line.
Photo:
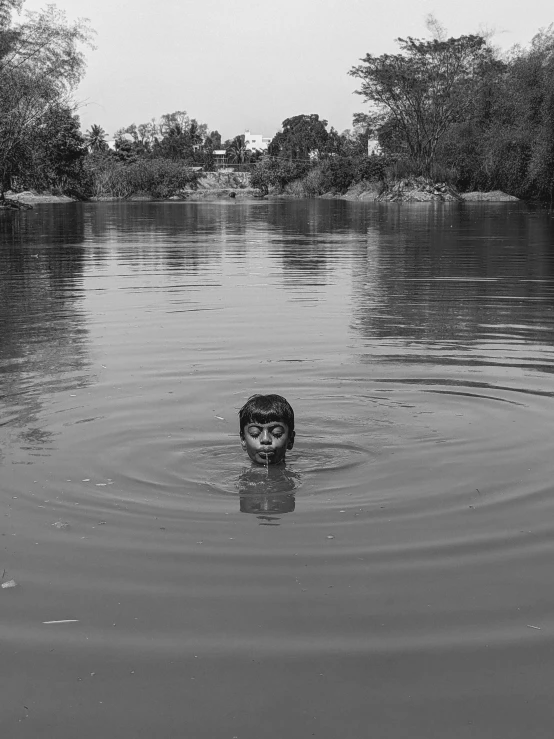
column 266, row 428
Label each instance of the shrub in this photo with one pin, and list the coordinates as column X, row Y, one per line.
column 314, row 182
column 106, row 176
column 337, row 174
column 296, row 188
column 276, row 173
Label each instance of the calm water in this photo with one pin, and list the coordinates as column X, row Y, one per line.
column 394, row 581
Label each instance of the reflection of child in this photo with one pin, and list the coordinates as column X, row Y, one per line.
column 266, row 428
column 267, row 492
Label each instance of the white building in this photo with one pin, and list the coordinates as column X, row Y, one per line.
column 373, row 147
column 255, row 141
column 220, row 157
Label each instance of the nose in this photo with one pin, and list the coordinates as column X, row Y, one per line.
column 265, row 437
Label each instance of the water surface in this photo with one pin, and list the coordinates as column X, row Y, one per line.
column 394, row 580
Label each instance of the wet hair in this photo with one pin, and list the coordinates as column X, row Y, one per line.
column 264, row 409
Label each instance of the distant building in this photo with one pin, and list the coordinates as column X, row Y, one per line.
column 373, row 147
column 255, row 141
column 220, row 157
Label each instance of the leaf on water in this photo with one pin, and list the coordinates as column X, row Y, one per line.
column 9, row 584
column 61, row 525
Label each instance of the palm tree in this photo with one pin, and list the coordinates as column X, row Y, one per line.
column 96, row 138
column 237, row 152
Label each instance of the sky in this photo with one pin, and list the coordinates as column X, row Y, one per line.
column 250, row 64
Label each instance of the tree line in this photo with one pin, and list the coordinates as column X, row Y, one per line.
column 455, row 110
column 458, row 109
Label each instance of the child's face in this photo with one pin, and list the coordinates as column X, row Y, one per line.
column 267, row 443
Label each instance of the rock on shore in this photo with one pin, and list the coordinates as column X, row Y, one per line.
column 419, row 190
column 30, row 197
column 494, row 196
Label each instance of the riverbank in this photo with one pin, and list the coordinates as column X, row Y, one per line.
column 31, row 197
column 236, row 186
column 418, row 190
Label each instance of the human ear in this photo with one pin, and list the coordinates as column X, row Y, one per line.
column 290, row 442
column 242, row 441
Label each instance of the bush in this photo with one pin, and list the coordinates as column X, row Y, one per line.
column 276, row 173
column 302, row 179
column 336, row 174
column 296, row 189
column 106, row 176
column 314, row 182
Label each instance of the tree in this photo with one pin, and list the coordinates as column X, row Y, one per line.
column 237, row 153
column 40, row 65
column 215, row 138
column 55, row 153
column 303, row 136
column 507, row 143
column 211, row 143
column 181, row 137
column 425, row 89
column 96, row 139
column 277, row 173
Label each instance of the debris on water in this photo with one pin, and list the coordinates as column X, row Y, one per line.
column 528, row 626
column 63, row 621
column 220, row 418
column 330, row 537
column 61, row 525
column 9, row 584
column 86, row 479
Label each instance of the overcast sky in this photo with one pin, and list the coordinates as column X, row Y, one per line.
column 249, row 64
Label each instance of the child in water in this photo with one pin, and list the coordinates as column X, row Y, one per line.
column 266, row 428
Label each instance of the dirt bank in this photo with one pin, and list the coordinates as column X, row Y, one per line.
column 30, row 197
column 420, row 190
column 494, row 196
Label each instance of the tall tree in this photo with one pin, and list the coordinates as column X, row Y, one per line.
column 424, row 89
column 181, row 137
column 96, row 138
column 303, row 136
column 237, row 153
column 56, row 152
column 41, row 62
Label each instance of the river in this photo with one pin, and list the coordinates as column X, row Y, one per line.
column 394, row 580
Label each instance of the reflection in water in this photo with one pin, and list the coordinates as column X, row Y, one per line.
column 42, row 325
column 454, row 275
column 416, row 344
column 266, row 490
